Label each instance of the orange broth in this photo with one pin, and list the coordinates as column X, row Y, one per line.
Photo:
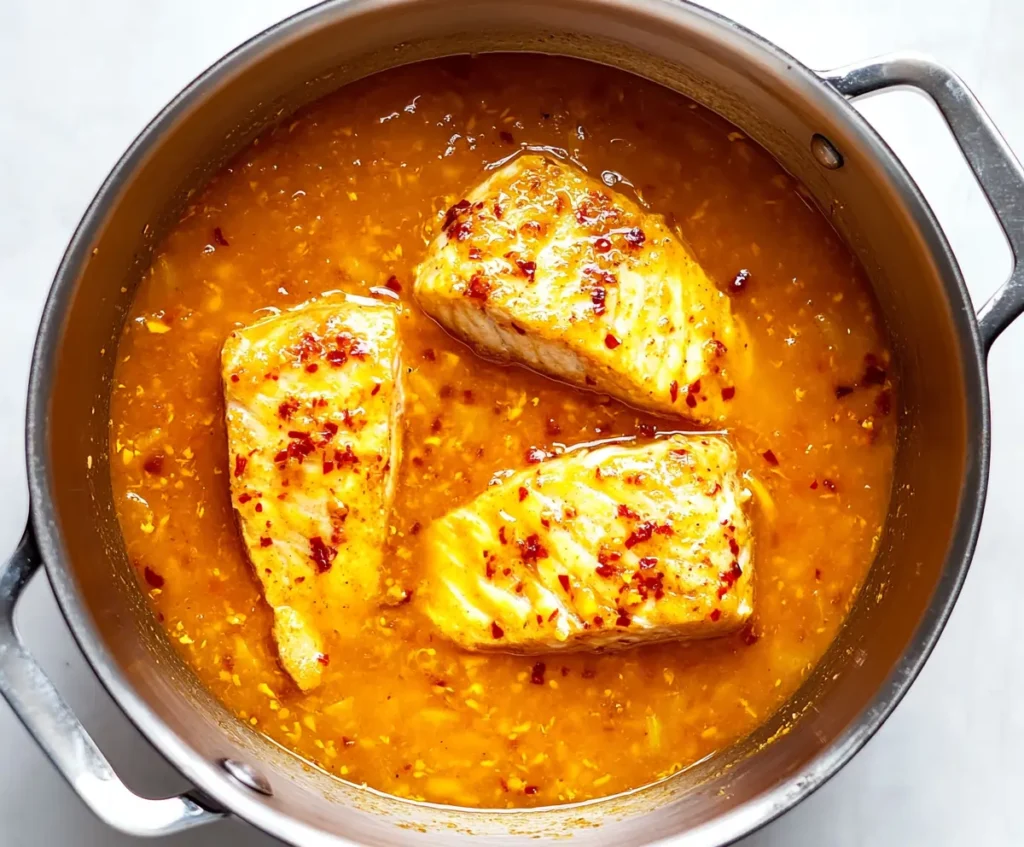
column 345, row 195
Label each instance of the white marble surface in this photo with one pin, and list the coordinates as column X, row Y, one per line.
column 79, row 78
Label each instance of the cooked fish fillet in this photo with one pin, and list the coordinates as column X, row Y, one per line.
column 312, row 398
column 543, row 265
column 601, row 548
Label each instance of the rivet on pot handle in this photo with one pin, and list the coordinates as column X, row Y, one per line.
column 996, row 168
column 56, row 729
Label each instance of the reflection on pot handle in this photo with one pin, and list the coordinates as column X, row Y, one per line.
column 56, row 729
column 996, row 168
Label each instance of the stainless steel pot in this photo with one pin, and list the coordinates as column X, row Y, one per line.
column 803, row 118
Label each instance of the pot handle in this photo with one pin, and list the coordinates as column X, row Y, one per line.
column 56, row 729
column 997, row 170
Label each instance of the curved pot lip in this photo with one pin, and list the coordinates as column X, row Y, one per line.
column 734, row 824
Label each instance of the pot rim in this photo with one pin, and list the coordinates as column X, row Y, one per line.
column 736, row 823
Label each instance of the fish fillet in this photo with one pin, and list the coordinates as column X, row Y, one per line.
column 597, row 549
column 545, row 266
column 312, row 399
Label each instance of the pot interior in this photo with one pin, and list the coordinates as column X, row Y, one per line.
column 868, row 200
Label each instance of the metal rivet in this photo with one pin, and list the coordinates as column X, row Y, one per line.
column 825, row 152
column 248, row 776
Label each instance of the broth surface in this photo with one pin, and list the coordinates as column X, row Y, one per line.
column 345, row 196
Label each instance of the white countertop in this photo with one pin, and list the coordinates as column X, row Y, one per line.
column 78, row 80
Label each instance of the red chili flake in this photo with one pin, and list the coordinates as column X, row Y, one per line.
column 265, row 542
column 623, row 511
column 308, row 346
column 622, row 619
column 328, row 466
column 635, row 237
column 506, row 136
column 154, row 464
column 312, row 368
column 739, row 282
column 770, row 457
column 287, row 408
column 728, row 578
column 691, row 401
column 453, row 214
column 234, row 377
column 606, row 571
column 673, row 391
column 345, row 457
column 281, row 457
column 814, row 484
column 563, row 580
column 335, row 358
column 502, row 537
column 551, row 617
column 496, row 631
column 415, row 528
column 647, row 562
column 728, row 392
column 530, row 548
column 244, row 498
column 641, row 533
column 817, row 573
column 598, row 296
column 218, row 236
column 475, row 254
column 734, row 548
column 715, row 614
column 393, row 284
column 537, row 673
column 436, row 426
column 842, row 391
column 240, row 463
column 153, row 578
column 323, row 659
column 429, row 354
column 530, row 789
column 546, row 523
column 478, row 288
column 461, row 231
column 611, row 342
column 664, row 529
column 259, row 507
column 322, row 554
column 523, row 493
column 829, row 484
column 602, row 245
column 529, row 269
